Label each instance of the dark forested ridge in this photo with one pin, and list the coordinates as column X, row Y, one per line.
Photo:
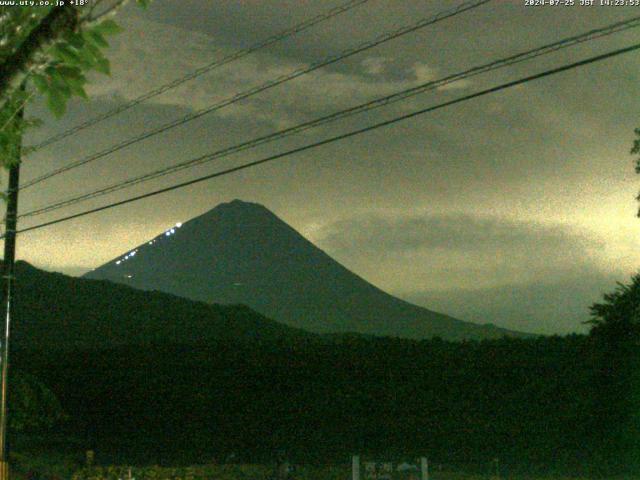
column 57, row 311
column 146, row 377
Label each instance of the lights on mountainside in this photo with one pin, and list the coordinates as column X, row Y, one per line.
column 171, row 231
column 167, row 233
column 127, row 256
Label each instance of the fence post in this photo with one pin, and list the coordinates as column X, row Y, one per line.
column 355, row 467
column 424, row 468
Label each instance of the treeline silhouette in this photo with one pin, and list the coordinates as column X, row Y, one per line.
column 546, row 404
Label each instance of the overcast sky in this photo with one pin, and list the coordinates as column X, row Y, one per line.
column 516, row 208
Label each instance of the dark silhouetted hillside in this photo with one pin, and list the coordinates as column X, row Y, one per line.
column 57, row 311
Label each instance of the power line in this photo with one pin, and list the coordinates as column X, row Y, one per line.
column 341, row 137
column 263, row 87
column 367, row 106
column 202, row 70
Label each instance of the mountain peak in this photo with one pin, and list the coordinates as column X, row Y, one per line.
column 238, row 209
column 240, row 204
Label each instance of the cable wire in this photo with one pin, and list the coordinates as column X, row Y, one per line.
column 265, row 86
column 343, row 136
column 202, row 70
column 367, row 106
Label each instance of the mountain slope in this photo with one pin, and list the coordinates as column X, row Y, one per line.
column 240, row 252
column 54, row 311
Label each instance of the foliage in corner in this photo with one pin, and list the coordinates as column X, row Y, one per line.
column 49, row 51
column 636, row 151
column 620, row 310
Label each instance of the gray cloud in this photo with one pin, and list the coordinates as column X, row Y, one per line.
column 419, row 252
column 516, row 274
column 453, row 232
column 318, row 92
column 543, row 307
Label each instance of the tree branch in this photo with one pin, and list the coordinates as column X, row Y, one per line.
column 58, row 21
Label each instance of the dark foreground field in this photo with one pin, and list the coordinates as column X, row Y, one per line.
column 542, row 406
column 266, row 472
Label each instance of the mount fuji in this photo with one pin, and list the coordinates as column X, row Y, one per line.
column 242, row 253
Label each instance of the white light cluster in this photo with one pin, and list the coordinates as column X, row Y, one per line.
column 172, row 230
column 167, row 233
column 127, row 256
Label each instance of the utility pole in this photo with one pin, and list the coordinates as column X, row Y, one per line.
column 11, row 221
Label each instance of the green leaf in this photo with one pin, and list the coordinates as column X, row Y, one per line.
column 74, row 39
column 77, row 86
column 65, row 53
column 143, row 3
column 69, row 72
column 4, row 140
column 59, row 85
column 97, row 39
column 41, row 83
column 91, row 53
column 69, row 80
column 57, row 102
column 108, row 27
column 87, row 59
column 79, row 91
column 50, row 70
